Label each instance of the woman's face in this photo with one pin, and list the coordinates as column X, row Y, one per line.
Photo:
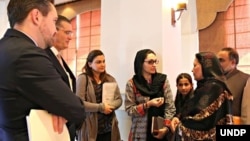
column 184, row 86
column 149, row 65
column 98, row 64
column 197, row 70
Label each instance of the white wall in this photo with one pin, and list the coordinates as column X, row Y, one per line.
column 4, row 19
column 180, row 43
column 128, row 26
column 131, row 25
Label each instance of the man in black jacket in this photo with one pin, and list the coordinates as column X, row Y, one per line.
column 28, row 79
column 61, row 42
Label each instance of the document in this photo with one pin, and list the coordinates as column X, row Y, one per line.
column 108, row 92
column 40, row 127
column 157, row 123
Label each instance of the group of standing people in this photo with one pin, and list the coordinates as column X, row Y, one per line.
column 35, row 76
column 195, row 112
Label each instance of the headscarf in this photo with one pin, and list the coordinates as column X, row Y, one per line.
column 211, row 67
column 152, row 90
column 139, row 60
column 158, row 80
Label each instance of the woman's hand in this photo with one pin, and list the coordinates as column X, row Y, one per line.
column 108, row 109
column 156, row 102
column 174, row 122
column 160, row 134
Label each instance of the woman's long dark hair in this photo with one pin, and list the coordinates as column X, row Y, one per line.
column 179, row 99
column 88, row 70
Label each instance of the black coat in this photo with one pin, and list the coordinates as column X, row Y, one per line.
column 61, row 71
column 28, row 80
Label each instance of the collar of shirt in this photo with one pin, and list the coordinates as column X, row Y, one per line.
column 29, row 37
column 55, row 51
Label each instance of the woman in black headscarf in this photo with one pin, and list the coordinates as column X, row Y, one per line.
column 210, row 106
column 148, row 94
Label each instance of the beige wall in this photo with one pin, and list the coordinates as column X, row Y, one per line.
column 210, row 15
column 207, row 11
column 72, row 9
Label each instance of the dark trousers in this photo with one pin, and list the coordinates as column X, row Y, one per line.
column 72, row 131
column 104, row 137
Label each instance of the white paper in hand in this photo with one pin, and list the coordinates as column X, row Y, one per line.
column 108, row 92
column 40, row 127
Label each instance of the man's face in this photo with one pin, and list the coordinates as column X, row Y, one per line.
column 227, row 64
column 48, row 27
column 63, row 36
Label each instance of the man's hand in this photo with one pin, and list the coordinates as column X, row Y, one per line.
column 58, row 123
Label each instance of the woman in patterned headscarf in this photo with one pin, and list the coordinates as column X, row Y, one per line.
column 210, row 105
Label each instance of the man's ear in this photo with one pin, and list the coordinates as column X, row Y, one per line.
column 36, row 16
column 233, row 61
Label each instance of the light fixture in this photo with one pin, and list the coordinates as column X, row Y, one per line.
column 178, row 8
column 63, row 2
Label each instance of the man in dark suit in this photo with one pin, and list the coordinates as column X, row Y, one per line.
column 236, row 80
column 28, row 79
column 61, row 42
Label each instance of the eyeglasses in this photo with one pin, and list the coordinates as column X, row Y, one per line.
column 151, row 62
column 69, row 33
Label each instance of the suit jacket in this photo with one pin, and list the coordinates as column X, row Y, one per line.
column 61, row 71
column 236, row 81
column 245, row 106
column 28, row 80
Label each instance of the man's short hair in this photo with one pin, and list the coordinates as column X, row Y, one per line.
column 18, row 10
column 232, row 53
column 61, row 19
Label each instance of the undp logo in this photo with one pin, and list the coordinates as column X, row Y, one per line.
column 232, row 131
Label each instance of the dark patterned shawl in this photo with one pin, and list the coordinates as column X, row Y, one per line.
column 210, row 106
